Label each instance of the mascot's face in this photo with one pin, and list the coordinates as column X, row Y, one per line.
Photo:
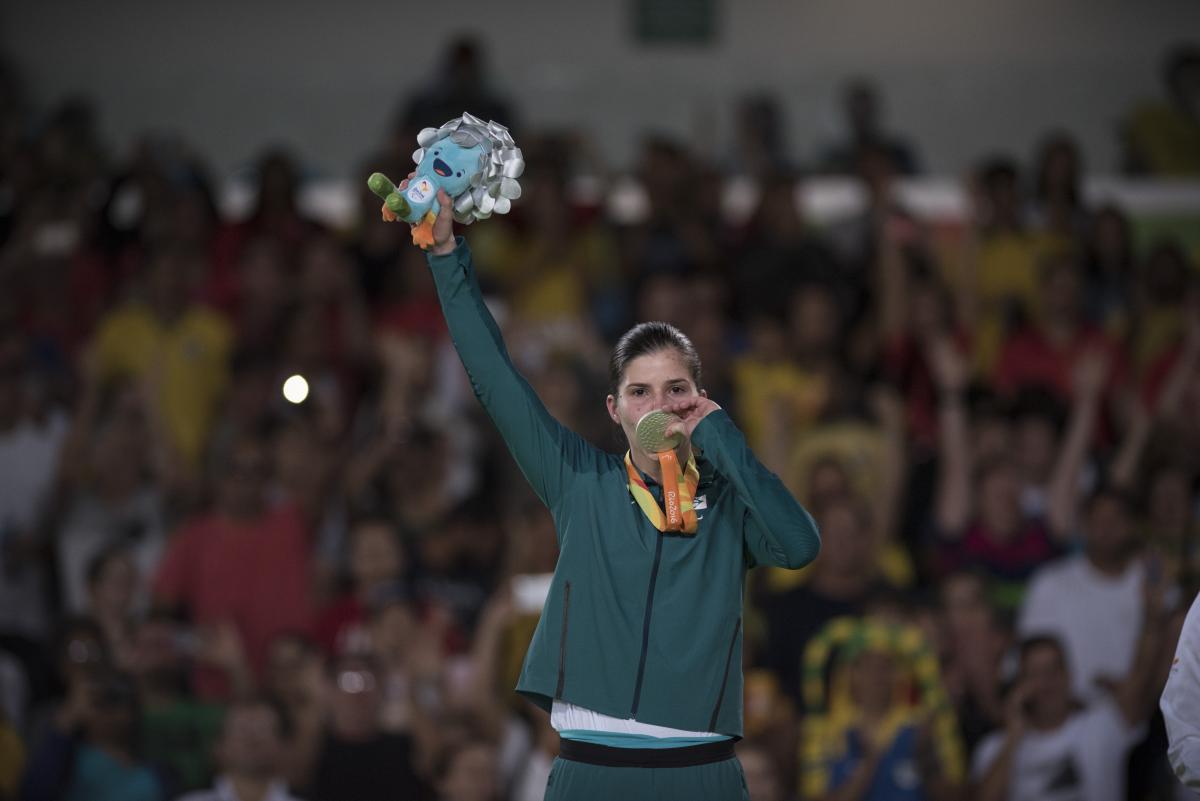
column 450, row 166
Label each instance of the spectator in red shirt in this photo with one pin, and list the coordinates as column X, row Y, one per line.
column 242, row 565
column 1044, row 352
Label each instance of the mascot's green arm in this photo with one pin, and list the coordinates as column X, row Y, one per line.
column 381, row 185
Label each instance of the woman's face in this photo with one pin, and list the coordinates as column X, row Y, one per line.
column 650, row 380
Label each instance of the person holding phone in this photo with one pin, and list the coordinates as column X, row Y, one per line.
column 637, row 654
column 1052, row 747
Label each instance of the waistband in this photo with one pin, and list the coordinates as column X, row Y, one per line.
column 608, row 756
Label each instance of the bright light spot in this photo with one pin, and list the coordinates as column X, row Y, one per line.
column 295, row 389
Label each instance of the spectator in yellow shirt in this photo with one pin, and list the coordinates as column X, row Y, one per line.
column 177, row 346
column 1000, row 281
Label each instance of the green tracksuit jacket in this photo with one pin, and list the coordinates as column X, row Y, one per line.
column 638, row 624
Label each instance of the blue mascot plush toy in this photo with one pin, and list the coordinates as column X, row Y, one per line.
column 476, row 162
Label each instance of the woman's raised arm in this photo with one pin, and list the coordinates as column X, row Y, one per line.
column 549, row 454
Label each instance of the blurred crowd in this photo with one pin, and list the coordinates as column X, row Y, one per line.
column 209, row 588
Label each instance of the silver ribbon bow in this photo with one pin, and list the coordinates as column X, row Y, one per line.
column 494, row 187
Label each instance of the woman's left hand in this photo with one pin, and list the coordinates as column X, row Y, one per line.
column 690, row 412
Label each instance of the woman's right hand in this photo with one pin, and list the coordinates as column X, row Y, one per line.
column 443, row 226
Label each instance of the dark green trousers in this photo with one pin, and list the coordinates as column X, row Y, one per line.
column 580, row 781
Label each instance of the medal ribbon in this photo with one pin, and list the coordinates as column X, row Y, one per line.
column 679, row 488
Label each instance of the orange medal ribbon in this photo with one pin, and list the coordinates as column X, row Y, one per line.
column 679, row 488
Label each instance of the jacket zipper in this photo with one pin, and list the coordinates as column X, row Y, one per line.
column 562, row 644
column 641, row 672
column 712, row 724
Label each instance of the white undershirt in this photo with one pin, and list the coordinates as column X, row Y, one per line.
column 568, row 717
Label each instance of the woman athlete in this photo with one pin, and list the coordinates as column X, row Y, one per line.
column 638, row 653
